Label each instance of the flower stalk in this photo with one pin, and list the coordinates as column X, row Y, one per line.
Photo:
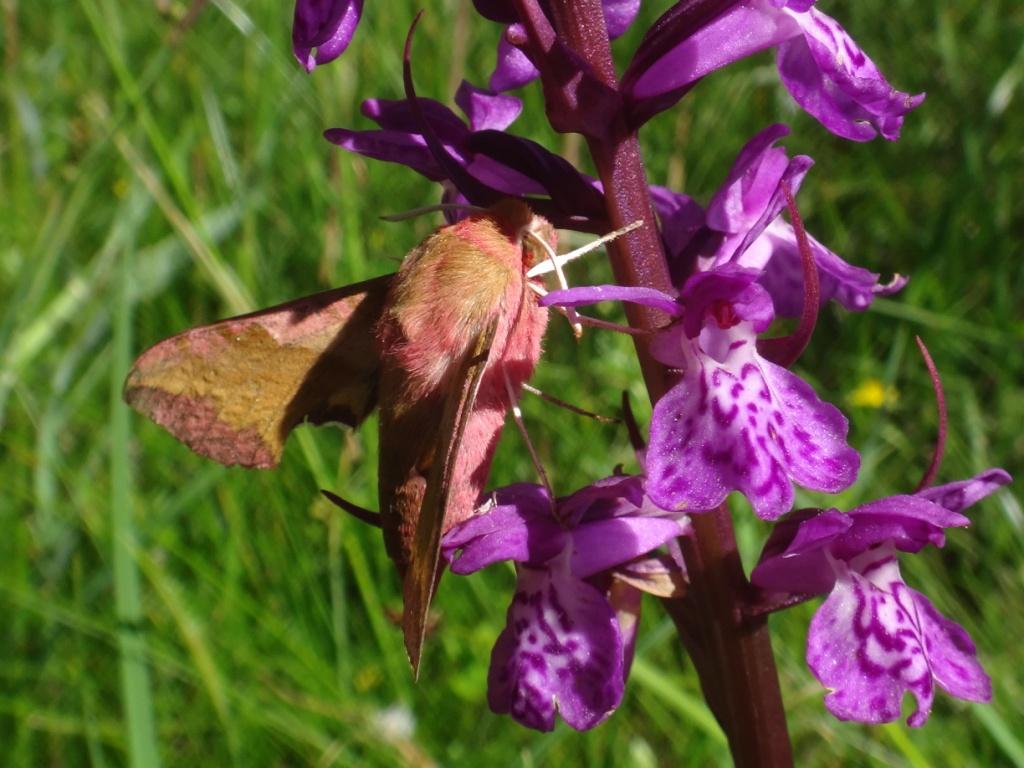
column 732, row 654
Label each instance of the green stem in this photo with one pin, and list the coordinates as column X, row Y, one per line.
column 136, row 690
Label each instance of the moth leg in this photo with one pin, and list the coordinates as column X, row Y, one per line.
column 359, row 513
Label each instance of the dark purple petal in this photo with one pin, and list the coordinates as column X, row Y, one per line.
column 619, row 15
column 608, row 543
column 504, row 163
column 486, row 110
column 577, row 297
column 399, row 115
column 502, row 177
column 520, row 528
column 739, row 422
column 513, row 68
column 561, row 651
column 609, row 497
column 795, row 559
column 865, row 645
column 836, row 82
column 573, row 192
column 681, row 218
column 391, row 146
column 502, row 11
column 964, row 493
column 741, row 31
column 327, row 26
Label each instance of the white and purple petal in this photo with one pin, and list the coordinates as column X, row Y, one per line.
column 739, row 422
column 864, row 644
column 874, row 639
column 561, row 652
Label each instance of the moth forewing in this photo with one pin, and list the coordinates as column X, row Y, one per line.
column 422, row 574
column 233, row 390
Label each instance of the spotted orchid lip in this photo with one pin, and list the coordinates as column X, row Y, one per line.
column 566, row 643
column 875, row 639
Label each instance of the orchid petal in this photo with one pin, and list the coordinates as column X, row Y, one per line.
column 619, row 16
column 962, row 494
column 561, row 651
column 486, row 110
column 741, row 31
column 576, row 297
column 951, row 653
column 607, row 543
column 513, row 69
column 520, row 528
column 874, row 639
column 838, row 84
column 737, row 421
column 327, row 26
column 853, row 287
column 795, row 557
column 864, row 644
column 751, row 182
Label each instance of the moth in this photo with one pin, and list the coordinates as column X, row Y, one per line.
column 442, row 347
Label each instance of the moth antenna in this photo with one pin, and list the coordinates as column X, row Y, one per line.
column 555, row 263
column 577, row 329
column 593, row 322
column 517, row 415
column 570, row 407
column 436, row 208
column 636, row 437
column 940, row 403
column 359, row 513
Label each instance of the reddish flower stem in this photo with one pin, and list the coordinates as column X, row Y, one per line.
column 732, row 652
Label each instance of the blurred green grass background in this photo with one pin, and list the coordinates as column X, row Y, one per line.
column 161, row 166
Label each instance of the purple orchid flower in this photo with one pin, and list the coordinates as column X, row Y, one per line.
column 505, row 164
column 514, row 68
column 875, row 638
column 825, row 71
column 742, row 226
column 568, row 642
column 326, row 26
column 735, row 421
